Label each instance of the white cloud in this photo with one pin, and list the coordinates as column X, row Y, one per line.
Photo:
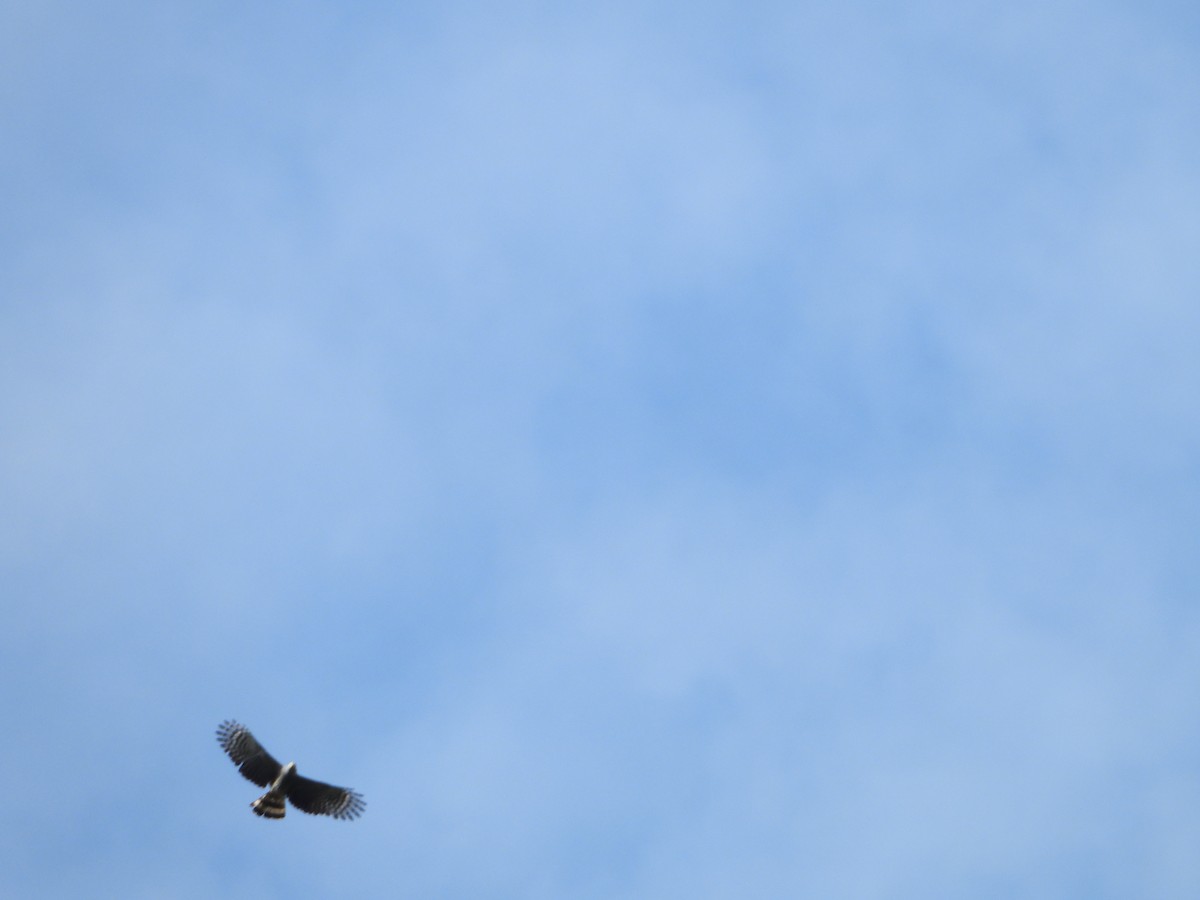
column 657, row 455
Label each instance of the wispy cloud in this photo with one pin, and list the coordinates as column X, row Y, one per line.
column 650, row 452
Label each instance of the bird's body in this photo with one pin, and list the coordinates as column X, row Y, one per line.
column 258, row 766
column 271, row 805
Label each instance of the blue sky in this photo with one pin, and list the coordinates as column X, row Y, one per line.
column 651, row 449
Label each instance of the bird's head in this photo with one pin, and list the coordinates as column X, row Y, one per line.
column 289, row 769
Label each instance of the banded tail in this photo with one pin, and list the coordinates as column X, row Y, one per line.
column 270, row 805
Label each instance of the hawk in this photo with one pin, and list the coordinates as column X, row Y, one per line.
column 309, row 796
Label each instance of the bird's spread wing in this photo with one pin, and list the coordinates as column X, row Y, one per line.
column 247, row 754
column 322, row 799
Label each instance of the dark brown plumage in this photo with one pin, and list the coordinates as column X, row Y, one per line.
column 258, row 766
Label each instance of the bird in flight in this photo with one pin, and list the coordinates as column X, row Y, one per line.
column 309, row 796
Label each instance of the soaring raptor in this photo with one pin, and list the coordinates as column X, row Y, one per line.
column 306, row 795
